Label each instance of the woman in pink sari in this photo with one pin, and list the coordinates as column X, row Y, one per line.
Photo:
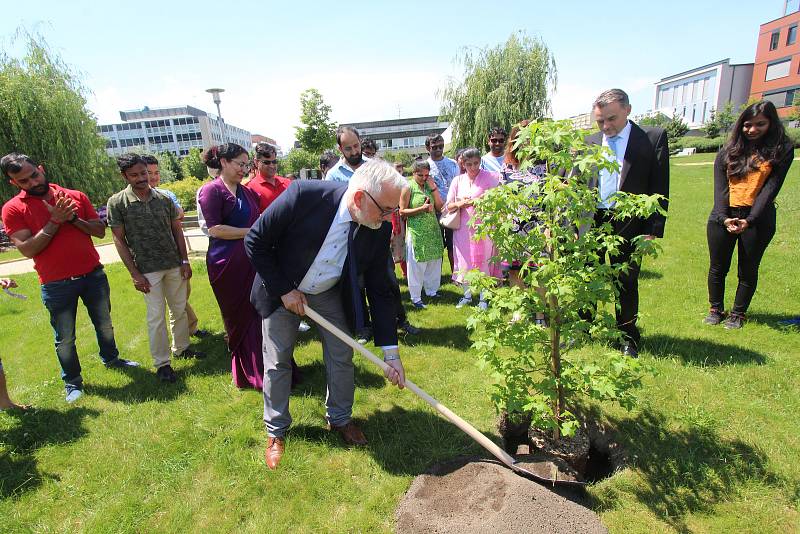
column 470, row 254
column 229, row 209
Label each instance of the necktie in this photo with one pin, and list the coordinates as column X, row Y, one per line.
column 352, row 273
column 608, row 179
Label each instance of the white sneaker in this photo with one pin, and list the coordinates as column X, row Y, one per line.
column 303, row 327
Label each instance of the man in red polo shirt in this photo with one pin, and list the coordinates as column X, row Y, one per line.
column 266, row 183
column 54, row 225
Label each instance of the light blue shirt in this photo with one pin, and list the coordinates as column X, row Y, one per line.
column 342, row 172
column 443, row 172
column 326, row 269
column 169, row 194
column 609, row 182
column 491, row 163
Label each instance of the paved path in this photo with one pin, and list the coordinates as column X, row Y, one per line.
column 108, row 254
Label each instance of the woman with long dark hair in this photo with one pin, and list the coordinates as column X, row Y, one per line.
column 229, row 209
column 748, row 174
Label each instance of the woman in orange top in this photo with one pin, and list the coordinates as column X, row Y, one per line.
column 748, row 174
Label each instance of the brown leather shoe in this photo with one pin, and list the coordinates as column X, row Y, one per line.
column 275, row 448
column 350, row 433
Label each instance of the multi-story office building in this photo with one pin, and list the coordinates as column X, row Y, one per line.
column 175, row 129
column 692, row 94
column 400, row 134
column 776, row 76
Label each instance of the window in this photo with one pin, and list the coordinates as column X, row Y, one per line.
column 773, row 41
column 789, row 97
column 705, row 87
column 666, row 98
column 791, row 36
column 777, row 70
column 705, row 105
column 694, row 112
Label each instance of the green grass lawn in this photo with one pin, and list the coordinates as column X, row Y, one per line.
column 714, row 442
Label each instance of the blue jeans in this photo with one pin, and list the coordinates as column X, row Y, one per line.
column 61, row 300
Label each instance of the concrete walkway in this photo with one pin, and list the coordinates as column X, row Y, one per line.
column 108, row 254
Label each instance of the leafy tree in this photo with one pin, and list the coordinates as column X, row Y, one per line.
column 319, row 131
column 676, row 128
column 192, row 164
column 43, row 114
column 538, row 375
column 711, row 127
column 401, row 156
column 659, row 120
column 501, row 86
column 726, row 117
column 171, row 165
column 297, row 159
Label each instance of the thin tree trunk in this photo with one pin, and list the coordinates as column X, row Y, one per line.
column 555, row 365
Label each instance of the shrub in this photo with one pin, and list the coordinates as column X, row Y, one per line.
column 701, row 144
column 186, row 191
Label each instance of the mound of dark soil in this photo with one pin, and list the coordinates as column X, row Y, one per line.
column 485, row 496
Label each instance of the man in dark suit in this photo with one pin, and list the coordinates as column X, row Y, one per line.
column 309, row 247
column 643, row 157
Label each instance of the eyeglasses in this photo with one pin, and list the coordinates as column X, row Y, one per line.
column 384, row 211
column 244, row 165
column 267, row 161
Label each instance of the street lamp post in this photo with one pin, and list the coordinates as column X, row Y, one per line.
column 215, row 93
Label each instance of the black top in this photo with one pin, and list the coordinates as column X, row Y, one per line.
column 765, row 198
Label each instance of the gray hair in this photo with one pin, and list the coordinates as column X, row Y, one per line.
column 610, row 96
column 374, row 175
column 471, row 153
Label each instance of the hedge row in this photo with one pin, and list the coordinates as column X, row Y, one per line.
column 186, row 191
column 704, row 144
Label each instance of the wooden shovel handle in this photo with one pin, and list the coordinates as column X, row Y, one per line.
column 470, row 430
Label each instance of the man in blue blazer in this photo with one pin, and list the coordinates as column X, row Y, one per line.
column 643, row 157
column 309, row 247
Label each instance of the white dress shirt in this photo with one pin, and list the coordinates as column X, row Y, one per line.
column 622, row 146
column 326, row 270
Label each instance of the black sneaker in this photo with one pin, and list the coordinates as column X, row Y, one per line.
column 734, row 321
column 364, row 335
column 408, row 328
column 714, row 317
column 200, row 333
column 190, row 353
column 166, row 374
column 121, row 363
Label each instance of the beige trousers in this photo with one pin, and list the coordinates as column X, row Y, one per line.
column 166, row 286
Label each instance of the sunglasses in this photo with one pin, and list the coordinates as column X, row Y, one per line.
column 384, row 211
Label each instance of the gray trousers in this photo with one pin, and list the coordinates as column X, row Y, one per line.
column 279, row 335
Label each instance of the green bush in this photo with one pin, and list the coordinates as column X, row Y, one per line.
column 701, row 144
column 794, row 135
column 186, row 191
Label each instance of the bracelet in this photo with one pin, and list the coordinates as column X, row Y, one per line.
column 391, row 357
column 45, row 233
column 185, row 262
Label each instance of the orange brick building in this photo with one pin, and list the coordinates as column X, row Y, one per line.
column 776, row 73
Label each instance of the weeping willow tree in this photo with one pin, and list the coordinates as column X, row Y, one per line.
column 43, row 114
column 501, row 86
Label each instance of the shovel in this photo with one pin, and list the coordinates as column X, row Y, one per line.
column 470, row 430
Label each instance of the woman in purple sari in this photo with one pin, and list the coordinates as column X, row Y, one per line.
column 229, row 209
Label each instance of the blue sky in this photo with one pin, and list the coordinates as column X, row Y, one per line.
column 370, row 60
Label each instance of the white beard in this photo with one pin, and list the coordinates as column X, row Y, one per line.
column 361, row 220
